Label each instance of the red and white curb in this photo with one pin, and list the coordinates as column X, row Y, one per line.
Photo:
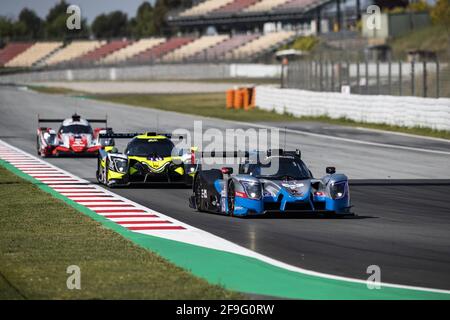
column 138, row 218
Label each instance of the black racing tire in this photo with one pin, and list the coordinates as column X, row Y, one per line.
column 231, row 198
column 197, row 188
column 97, row 173
column 38, row 147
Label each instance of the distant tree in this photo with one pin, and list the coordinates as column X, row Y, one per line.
column 112, row 25
column 142, row 25
column 440, row 14
column 32, row 23
column 6, row 28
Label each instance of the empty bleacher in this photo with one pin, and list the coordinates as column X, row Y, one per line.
column 163, row 48
column 34, row 54
column 261, row 45
column 205, row 7
column 11, row 50
column 234, row 7
column 191, row 49
column 265, row 5
column 73, row 51
column 133, row 50
column 105, row 50
column 296, row 4
column 219, row 51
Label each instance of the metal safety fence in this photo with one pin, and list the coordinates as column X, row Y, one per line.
column 400, row 78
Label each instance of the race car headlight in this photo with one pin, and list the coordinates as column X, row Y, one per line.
column 252, row 189
column 121, row 165
column 338, row 190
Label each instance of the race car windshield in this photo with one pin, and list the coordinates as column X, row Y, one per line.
column 150, row 147
column 76, row 129
column 285, row 168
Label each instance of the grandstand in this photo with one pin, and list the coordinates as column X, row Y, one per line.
column 162, row 49
column 132, row 50
column 211, row 30
column 34, row 54
column 73, row 50
column 219, row 51
column 265, row 5
column 189, row 50
column 234, row 7
column 103, row 51
column 12, row 50
column 206, row 7
column 261, row 45
column 255, row 15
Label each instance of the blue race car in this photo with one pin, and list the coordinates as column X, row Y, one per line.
column 258, row 189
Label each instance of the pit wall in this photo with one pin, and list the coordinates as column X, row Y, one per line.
column 392, row 110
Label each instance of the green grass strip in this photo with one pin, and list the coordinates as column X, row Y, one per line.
column 242, row 273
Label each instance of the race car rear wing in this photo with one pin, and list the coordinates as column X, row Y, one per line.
column 75, row 117
column 131, row 135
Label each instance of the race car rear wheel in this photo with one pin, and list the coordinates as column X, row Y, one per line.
column 198, row 194
column 231, row 198
column 38, row 147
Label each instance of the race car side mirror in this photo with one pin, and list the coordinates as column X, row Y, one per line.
column 331, row 170
column 227, row 170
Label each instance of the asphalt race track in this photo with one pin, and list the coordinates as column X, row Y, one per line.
column 400, row 193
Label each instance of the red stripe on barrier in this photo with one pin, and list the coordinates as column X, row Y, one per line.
column 119, row 211
column 81, row 192
column 88, row 196
column 111, row 216
column 157, row 228
column 109, row 205
column 79, row 201
column 76, row 187
column 142, row 222
column 55, row 176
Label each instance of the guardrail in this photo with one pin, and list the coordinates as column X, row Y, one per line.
column 399, row 111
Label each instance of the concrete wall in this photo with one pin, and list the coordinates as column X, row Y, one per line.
column 401, row 111
column 153, row 72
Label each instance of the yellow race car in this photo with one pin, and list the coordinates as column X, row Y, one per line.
column 148, row 158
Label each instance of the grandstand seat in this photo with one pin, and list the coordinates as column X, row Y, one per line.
column 163, row 48
column 35, row 53
column 219, row 51
column 73, row 51
column 234, row 7
column 191, row 49
column 265, row 5
column 133, row 50
column 105, row 50
column 205, row 7
column 261, row 45
column 13, row 49
column 296, row 4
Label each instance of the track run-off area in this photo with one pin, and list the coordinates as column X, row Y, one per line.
column 399, row 186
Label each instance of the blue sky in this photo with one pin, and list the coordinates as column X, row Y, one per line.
column 89, row 8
